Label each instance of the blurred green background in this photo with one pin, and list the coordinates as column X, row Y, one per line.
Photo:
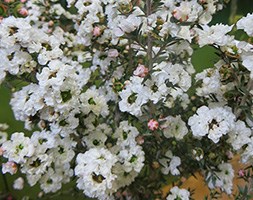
column 202, row 58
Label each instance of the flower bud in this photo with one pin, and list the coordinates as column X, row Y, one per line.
column 113, row 53
column 96, row 31
column 155, row 164
column 153, row 124
column 10, row 167
column 23, row 11
column 241, row 173
column 141, row 71
column 51, row 23
column 19, row 183
column 140, row 140
column 1, row 151
column 8, row 1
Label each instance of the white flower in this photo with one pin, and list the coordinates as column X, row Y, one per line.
column 157, row 91
column 170, row 163
column 132, row 158
column 211, row 84
column 36, row 166
column 246, row 52
column 92, row 101
column 3, row 137
column 43, row 140
column 51, row 181
column 10, row 167
column 133, row 96
column 131, row 23
column 174, row 73
column 177, row 95
column 19, row 183
column 63, row 150
column 239, row 135
column 247, row 155
column 123, row 178
column 178, row 194
column 126, row 134
column 245, row 23
column 187, row 11
column 19, row 148
column 215, row 34
column 94, row 172
column 97, row 136
column 222, row 179
column 27, row 101
column 185, row 33
column 113, row 53
column 213, row 122
column 174, row 127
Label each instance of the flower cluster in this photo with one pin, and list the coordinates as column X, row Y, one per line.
column 113, row 101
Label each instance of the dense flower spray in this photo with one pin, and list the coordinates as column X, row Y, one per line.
column 114, row 102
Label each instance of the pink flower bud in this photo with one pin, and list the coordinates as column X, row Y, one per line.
column 179, row 14
column 23, row 11
column 49, row 30
column 183, row 179
column 96, row 31
column 153, row 124
column 241, row 173
column 113, row 53
column 127, row 82
column 10, row 167
column 1, row 151
column 141, row 71
column 229, row 154
column 22, row 1
column 140, row 140
column 9, row 197
column 50, row 23
column 202, row 1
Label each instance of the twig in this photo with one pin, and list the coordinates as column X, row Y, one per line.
column 233, row 10
column 244, row 99
column 5, row 183
column 149, row 42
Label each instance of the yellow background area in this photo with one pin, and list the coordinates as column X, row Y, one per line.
column 200, row 188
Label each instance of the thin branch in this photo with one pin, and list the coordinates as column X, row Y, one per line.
column 233, row 10
column 149, row 42
column 5, row 183
column 244, row 99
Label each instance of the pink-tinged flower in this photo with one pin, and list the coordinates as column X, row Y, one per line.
column 10, row 167
column 113, row 53
column 140, row 140
column 1, row 151
column 202, row 1
column 18, row 183
column 50, row 30
column 51, row 23
column 9, row 197
column 153, row 124
column 141, row 71
column 180, row 16
column 183, row 179
column 8, row 1
column 23, row 12
column 96, row 31
column 22, row 1
column 229, row 154
column 241, row 173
